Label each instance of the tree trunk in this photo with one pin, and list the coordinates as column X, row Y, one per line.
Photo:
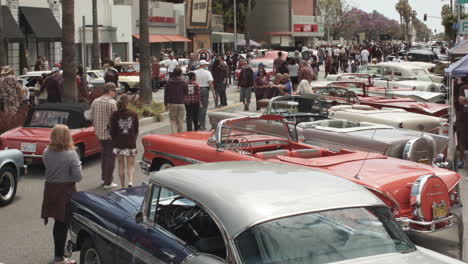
column 70, row 92
column 146, row 92
column 246, row 25
column 3, row 45
column 96, row 53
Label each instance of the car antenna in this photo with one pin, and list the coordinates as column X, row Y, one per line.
column 365, row 159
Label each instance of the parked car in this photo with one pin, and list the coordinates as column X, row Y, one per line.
column 271, row 138
column 306, row 217
column 392, row 117
column 12, row 169
column 335, row 134
column 34, row 136
column 424, row 55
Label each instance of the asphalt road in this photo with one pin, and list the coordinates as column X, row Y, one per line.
column 25, row 240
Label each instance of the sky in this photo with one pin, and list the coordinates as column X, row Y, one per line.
column 387, row 7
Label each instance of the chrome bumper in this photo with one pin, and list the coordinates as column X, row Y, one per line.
column 405, row 224
column 33, row 156
column 145, row 166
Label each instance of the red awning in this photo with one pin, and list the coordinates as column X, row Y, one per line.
column 155, row 38
column 177, row 38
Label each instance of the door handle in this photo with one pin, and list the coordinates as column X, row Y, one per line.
column 169, row 254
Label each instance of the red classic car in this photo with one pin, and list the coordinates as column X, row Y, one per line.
column 352, row 92
column 34, row 136
column 422, row 197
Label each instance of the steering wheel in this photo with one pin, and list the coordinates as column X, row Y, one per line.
column 240, row 142
column 178, row 220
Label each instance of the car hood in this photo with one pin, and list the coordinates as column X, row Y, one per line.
column 421, row 255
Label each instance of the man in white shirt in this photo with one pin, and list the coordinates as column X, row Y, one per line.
column 364, row 57
column 205, row 81
column 171, row 65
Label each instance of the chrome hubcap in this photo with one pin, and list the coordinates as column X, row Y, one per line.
column 165, row 166
column 92, row 257
column 7, row 185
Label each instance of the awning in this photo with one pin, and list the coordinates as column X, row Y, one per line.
column 157, row 38
column 177, row 38
column 11, row 28
column 459, row 68
column 42, row 23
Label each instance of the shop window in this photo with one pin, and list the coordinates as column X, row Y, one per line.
column 121, row 50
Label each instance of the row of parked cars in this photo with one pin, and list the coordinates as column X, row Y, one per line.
column 316, row 178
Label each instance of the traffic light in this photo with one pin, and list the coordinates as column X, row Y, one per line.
column 425, row 17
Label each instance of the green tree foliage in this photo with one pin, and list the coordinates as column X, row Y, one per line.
column 449, row 18
column 226, row 9
column 336, row 16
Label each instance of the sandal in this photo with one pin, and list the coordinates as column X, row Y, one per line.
column 65, row 261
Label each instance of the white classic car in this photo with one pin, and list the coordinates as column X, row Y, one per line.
column 401, row 75
column 398, row 118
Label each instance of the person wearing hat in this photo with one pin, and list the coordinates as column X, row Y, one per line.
column 10, row 92
column 54, row 86
column 205, row 81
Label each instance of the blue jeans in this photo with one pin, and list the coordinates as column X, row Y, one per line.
column 205, row 95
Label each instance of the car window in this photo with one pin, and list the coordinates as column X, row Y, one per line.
column 387, row 71
column 186, row 220
column 324, row 237
column 397, row 73
column 373, row 70
column 421, row 75
column 47, row 118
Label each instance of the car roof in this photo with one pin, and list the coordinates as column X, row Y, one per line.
column 241, row 194
column 400, row 65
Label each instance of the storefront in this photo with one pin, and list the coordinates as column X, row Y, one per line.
column 222, row 41
column 198, row 24
column 13, row 36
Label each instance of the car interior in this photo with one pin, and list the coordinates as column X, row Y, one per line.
column 192, row 224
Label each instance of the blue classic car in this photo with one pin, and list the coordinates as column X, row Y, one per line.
column 12, row 168
column 240, row 212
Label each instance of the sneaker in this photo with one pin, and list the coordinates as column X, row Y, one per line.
column 461, row 164
column 111, row 186
column 130, row 185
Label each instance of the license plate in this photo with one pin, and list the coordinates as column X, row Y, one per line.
column 28, row 147
column 439, row 210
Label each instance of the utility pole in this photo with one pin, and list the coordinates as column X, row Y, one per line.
column 235, row 25
column 3, row 47
column 96, row 49
column 83, row 48
column 246, row 26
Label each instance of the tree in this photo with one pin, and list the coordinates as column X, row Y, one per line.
column 145, row 68
column 226, row 9
column 336, row 16
column 373, row 24
column 96, row 49
column 70, row 93
column 3, row 44
column 404, row 9
column 449, row 18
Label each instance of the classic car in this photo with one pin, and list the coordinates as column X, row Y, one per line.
column 335, row 134
column 12, row 168
column 210, row 214
column 353, row 92
column 388, row 116
column 272, row 138
column 424, row 55
column 384, row 91
column 393, row 74
column 33, row 137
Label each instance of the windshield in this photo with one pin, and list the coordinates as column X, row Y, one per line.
column 46, row 118
column 421, row 75
column 324, row 237
column 295, row 105
column 254, row 64
column 372, row 70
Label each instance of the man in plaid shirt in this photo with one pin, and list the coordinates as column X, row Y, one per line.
column 192, row 102
column 101, row 111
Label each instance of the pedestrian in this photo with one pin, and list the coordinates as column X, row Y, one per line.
column 305, row 72
column 304, row 88
column 171, row 65
column 81, row 86
column 461, row 126
column 293, row 69
column 245, row 83
column 117, row 59
column 193, row 102
column 62, row 172
column 328, row 64
column 229, row 65
column 111, row 74
column 42, row 92
column 54, row 86
column 174, row 99
column 38, row 64
column 364, row 57
column 10, row 93
column 261, row 86
column 155, row 72
column 192, row 63
column 286, row 81
column 124, row 128
column 101, row 112
column 205, row 80
column 220, row 73
column 278, row 62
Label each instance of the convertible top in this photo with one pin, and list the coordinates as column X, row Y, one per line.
column 62, row 107
column 76, row 118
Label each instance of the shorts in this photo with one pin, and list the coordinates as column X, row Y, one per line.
column 125, row 152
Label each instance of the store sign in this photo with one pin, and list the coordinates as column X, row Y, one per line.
column 463, row 27
column 306, row 28
column 163, row 20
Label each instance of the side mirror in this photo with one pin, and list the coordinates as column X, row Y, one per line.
column 139, row 218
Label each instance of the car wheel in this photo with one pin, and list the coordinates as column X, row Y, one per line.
column 88, row 253
column 8, row 185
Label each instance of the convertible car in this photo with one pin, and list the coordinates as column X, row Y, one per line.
column 392, row 117
column 12, row 168
column 33, row 137
column 210, row 214
column 271, row 138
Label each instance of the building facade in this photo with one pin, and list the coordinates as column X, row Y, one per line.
column 286, row 23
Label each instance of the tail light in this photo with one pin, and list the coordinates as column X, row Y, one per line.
column 444, row 129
